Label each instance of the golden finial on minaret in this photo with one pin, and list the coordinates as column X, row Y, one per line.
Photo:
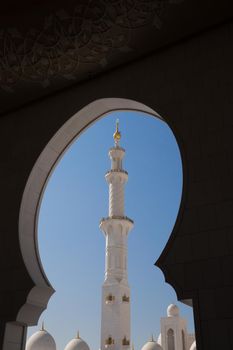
column 117, row 134
column 152, row 338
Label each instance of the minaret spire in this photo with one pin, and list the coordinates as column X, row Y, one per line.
column 78, row 335
column 115, row 323
column 117, row 134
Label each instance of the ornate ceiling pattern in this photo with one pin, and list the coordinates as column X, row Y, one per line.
column 89, row 35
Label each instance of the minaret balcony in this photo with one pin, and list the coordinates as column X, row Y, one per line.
column 116, row 171
column 114, row 217
column 111, row 221
column 115, row 175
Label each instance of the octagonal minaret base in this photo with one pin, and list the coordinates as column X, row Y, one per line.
column 115, row 320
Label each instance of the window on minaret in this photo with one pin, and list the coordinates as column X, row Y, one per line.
column 125, row 341
column 125, row 299
column 109, row 341
column 183, row 340
column 170, row 340
column 110, row 297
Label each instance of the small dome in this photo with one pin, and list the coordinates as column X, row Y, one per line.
column 77, row 344
column 159, row 340
column 152, row 345
column 41, row 340
column 172, row 311
column 193, row 346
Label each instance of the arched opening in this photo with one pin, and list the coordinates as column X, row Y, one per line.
column 183, row 340
column 44, row 167
column 42, row 170
column 170, row 340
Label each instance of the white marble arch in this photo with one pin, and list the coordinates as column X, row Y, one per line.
column 40, row 294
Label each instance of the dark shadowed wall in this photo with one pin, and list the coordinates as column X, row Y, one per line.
column 191, row 86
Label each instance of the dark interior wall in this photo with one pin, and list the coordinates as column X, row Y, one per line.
column 190, row 85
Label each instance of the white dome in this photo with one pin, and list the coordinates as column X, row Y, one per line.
column 77, row 344
column 193, row 346
column 172, row 311
column 41, row 340
column 152, row 345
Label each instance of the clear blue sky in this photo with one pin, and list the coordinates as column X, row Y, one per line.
column 72, row 248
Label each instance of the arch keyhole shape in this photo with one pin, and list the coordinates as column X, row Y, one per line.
column 45, row 165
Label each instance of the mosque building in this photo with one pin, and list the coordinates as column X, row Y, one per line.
column 115, row 318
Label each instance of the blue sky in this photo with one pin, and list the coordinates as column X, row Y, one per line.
column 72, row 247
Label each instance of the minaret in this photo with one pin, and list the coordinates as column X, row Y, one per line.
column 115, row 321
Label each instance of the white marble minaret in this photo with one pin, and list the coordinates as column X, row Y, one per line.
column 115, row 321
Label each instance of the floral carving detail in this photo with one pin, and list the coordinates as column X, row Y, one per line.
column 88, row 36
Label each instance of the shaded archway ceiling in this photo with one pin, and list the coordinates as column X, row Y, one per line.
column 50, row 45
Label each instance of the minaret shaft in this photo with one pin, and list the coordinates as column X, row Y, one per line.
column 115, row 322
column 116, row 250
column 116, row 199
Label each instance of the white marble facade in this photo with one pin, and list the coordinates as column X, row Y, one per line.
column 174, row 334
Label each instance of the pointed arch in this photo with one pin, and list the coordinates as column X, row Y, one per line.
column 40, row 294
column 170, row 339
column 183, row 340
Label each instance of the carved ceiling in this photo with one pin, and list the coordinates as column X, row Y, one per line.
column 88, row 35
column 44, row 48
